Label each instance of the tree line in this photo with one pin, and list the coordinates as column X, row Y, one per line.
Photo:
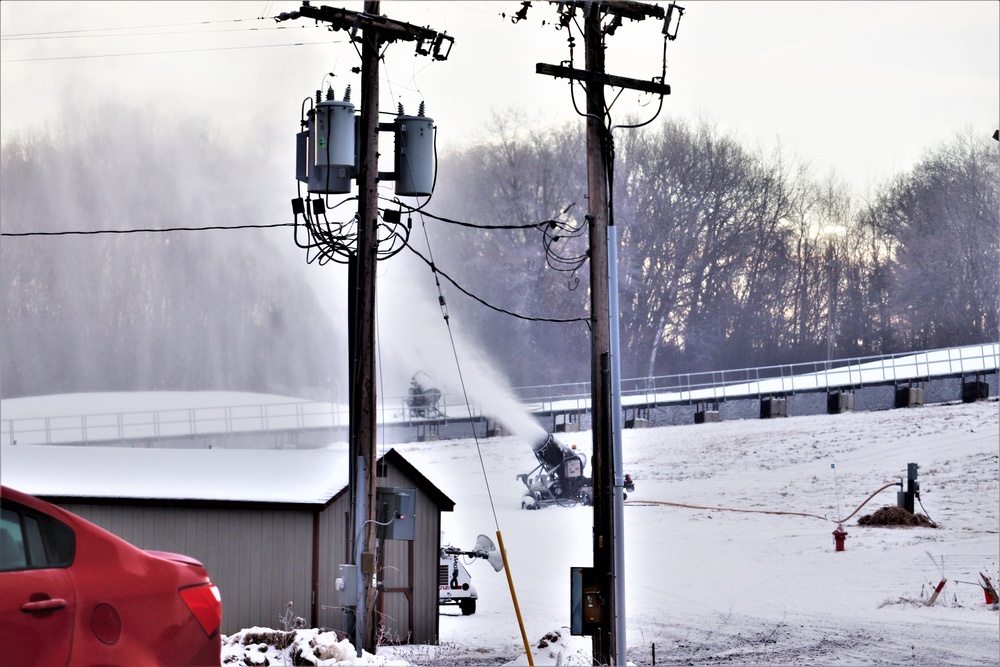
column 729, row 257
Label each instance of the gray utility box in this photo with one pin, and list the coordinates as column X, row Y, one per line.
column 585, row 601
column 346, row 585
column 839, row 401
column 567, row 427
column 975, row 391
column 908, row 397
column 772, row 407
column 396, row 512
column 706, row 417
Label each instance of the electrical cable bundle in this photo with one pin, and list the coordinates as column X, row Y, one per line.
column 323, row 240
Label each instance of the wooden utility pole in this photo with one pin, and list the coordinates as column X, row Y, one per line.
column 600, row 378
column 363, row 410
column 373, row 31
column 608, row 539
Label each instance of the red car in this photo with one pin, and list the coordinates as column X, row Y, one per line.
column 73, row 593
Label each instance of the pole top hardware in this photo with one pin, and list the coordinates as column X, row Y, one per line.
column 429, row 42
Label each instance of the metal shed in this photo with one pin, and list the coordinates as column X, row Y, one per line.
column 270, row 525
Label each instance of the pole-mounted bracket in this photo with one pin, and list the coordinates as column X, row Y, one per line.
column 654, row 86
column 387, row 29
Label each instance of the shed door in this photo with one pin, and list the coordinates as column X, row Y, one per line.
column 395, row 592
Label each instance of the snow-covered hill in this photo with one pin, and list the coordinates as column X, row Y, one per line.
column 710, row 587
column 718, row 587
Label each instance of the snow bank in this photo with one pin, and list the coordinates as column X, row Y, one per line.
column 558, row 647
column 265, row 646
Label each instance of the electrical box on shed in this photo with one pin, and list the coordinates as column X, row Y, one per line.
column 396, row 513
column 346, row 585
column 585, row 601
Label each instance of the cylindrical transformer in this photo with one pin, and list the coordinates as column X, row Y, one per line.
column 333, row 148
column 414, row 156
column 334, row 134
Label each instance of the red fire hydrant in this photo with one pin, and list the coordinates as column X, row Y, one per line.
column 839, row 536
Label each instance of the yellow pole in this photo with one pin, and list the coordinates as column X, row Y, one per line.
column 513, row 596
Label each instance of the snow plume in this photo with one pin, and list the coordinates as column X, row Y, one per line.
column 414, row 337
column 172, row 310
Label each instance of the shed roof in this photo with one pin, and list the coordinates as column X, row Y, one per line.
column 306, row 477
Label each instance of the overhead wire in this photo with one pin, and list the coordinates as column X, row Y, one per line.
column 553, row 230
column 458, row 365
column 42, row 35
column 146, row 230
column 159, row 53
column 19, row 38
column 90, row 32
column 482, row 462
column 330, row 241
column 474, row 225
column 434, row 268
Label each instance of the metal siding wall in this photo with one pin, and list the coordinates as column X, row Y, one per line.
column 332, row 531
column 426, row 560
column 259, row 559
column 395, row 605
column 423, row 627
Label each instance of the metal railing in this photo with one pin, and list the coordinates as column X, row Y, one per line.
column 783, row 379
column 171, row 423
column 685, row 388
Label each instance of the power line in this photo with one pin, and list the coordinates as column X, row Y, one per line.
column 475, row 225
column 489, row 305
column 29, row 36
column 156, row 53
column 95, row 232
column 136, row 27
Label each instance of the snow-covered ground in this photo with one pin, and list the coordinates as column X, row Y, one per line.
column 713, row 587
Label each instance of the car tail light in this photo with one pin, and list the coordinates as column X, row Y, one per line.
column 205, row 603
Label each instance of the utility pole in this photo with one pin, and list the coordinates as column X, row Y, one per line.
column 373, row 31
column 363, row 411
column 604, row 638
column 609, row 639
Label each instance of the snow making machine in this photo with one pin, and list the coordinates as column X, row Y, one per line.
column 422, row 401
column 558, row 478
column 454, row 581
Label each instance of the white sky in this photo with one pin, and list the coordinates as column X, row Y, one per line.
column 860, row 88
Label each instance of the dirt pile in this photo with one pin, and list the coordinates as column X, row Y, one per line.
column 895, row 516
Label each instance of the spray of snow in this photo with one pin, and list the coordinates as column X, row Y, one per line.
column 414, row 337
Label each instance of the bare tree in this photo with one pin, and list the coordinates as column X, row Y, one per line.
column 944, row 217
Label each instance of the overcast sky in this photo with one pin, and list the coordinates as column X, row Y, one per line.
column 860, row 88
